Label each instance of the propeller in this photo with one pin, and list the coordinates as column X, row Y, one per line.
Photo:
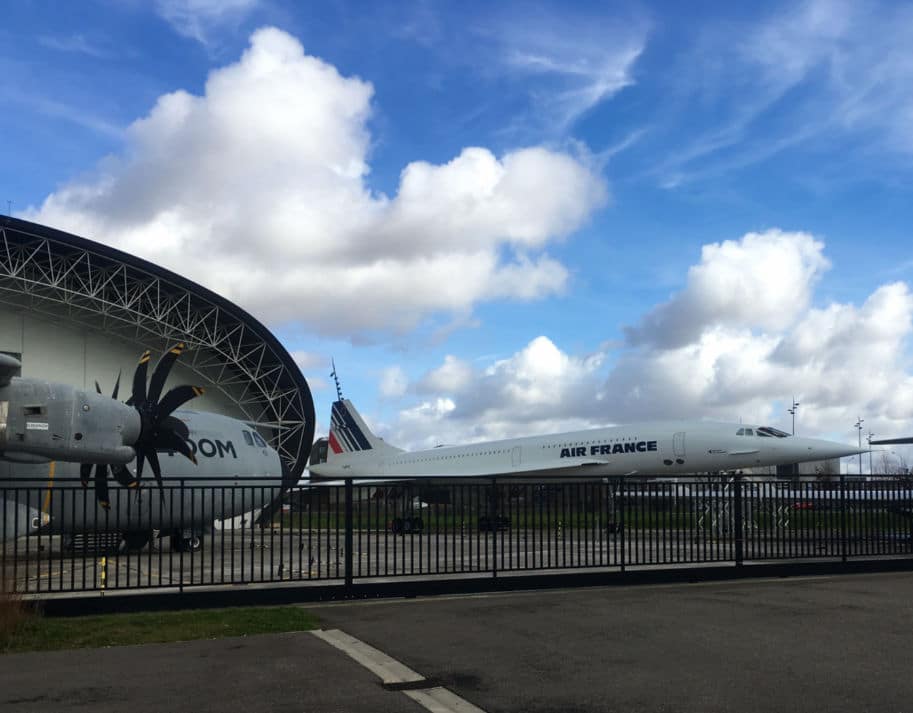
column 159, row 430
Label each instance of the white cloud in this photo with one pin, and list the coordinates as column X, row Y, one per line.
column 452, row 376
column 764, row 280
column 539, row 389
column 393, row 382
column 198, row 18
column 579, row 61
column 308, row 360
column 258, row 190
column 840, row 360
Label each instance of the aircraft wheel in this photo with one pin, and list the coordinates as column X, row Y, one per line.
column 396, row 527
column 186, row 544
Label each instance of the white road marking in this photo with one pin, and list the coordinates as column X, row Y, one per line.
column 442, row 700
column 377, row 662
column 436, row 699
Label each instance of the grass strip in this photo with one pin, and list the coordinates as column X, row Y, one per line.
column 38, row 633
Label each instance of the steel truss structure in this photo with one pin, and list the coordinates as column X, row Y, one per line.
column 62, row 276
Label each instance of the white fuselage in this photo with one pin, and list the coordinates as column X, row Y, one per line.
column 659, row 448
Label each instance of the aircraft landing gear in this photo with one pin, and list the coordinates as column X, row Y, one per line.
column 186, row 541
column 135, row 541
column 407, row 525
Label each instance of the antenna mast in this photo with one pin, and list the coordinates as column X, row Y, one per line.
column 336, row 381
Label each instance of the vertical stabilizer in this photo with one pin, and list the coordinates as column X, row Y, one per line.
column 349, row 434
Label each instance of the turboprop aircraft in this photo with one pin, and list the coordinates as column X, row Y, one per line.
column 661, row 448
column 50, row 430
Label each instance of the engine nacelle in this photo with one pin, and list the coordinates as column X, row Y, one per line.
column 44, row 419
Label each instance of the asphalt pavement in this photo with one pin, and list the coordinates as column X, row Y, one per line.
column 841, row 643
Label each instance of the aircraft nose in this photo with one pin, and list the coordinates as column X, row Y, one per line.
column 824, row 450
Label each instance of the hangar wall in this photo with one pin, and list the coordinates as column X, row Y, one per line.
column 57, row 351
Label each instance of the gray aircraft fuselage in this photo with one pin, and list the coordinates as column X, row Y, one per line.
column 236, row 472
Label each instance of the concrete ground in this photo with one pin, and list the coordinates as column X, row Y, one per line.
column 842, row 643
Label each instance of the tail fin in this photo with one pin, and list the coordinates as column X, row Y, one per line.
column 349, row 434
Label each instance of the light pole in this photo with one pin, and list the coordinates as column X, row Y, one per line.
column 792, row 411
column 870, row 454
column 859, row 423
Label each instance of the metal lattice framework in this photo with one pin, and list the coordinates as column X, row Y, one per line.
column 49, row 272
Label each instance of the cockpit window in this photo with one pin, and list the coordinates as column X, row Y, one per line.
column 259, row 439
column 740, row 432
column 770, row 431
column 749, row 432
column 247, row 439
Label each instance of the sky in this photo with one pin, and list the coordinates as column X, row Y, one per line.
column 508, row 218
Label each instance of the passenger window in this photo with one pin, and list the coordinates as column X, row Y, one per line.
column 247, row 439
column 259, row 440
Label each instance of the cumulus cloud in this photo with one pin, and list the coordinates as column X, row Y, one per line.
column 840, row 360
column 539, row 389
column 763, row 280
column 258, row 189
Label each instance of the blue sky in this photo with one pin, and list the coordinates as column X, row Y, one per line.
column 506, row 219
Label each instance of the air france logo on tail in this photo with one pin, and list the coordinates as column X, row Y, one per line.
column 345, row 434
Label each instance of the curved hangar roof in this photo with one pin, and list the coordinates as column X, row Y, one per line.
column 61, row 275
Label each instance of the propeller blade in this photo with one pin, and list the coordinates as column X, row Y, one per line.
column 101, row 487
column 173, row 442
column 177, row 396
column 97, row 387
column 140, row 461
column 156, row 468
column 175, row 425
column 85, row 472
column 138, row 397
column 122, row 476
column 162, row 369
column 116, row 386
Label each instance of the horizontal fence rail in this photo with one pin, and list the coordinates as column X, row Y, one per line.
column 190, row 533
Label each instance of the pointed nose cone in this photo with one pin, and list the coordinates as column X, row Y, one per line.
column 823, row 450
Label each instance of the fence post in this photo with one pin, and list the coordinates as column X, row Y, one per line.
column 739, row 528
column 348, row 537
column 843, row 523
column 493, row 526
column 621, row 527
column 180, row 532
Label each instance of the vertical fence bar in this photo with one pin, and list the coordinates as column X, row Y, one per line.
column 739, row 534
column 621, row 529
column 348, row 536
column 843, row 518
column 493, row 526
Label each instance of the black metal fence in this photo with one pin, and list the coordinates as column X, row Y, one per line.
column 190, row 533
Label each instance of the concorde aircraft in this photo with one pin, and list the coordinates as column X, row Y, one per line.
column 50, row 430
column 660, row 448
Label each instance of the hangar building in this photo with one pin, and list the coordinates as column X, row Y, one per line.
column 75, row 311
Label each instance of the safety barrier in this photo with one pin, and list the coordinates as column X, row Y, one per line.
column 191, row 533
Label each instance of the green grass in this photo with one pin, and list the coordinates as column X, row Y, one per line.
column 38, row 633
